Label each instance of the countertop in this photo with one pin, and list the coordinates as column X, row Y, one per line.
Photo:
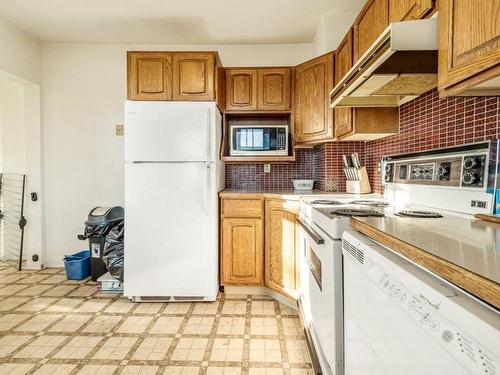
column 464, row 251
column 289, row 194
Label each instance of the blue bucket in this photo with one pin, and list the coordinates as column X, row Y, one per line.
column 77, row 265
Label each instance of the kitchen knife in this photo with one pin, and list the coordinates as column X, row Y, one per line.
column 355, row 160
column 346, row 164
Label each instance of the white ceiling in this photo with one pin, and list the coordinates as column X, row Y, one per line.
column 174, row 21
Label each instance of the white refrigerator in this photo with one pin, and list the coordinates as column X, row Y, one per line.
column 172, row 179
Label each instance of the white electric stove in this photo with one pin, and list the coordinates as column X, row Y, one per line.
column 321, row 269
column 439, row 187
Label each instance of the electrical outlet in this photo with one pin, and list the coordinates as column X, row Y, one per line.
column 267, row 168
column 119, row 129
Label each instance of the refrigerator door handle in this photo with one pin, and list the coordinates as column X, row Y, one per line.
column 209, row 136
column 208, row 189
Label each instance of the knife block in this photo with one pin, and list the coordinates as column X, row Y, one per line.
column 361, row 185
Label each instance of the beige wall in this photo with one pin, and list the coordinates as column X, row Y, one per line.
column 20, row 53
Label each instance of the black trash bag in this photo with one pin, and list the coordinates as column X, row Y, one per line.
column 112, row 255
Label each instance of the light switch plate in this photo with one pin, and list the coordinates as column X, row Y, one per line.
column 267, row 168
column 119, row 129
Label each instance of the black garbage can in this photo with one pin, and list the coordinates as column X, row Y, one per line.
column 99, row 222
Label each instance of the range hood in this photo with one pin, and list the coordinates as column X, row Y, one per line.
column 401, row 65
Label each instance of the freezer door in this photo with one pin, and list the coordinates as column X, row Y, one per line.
column 171, row 131
column 171, row 230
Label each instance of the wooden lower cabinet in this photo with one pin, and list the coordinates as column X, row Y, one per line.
column 260, row 250
column 242, row 251
column 281, row 247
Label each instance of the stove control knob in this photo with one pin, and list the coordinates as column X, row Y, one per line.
column 469, row 178
column 442, row 171
column 470, row 162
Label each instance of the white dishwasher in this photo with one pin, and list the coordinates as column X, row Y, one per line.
column 399, row 319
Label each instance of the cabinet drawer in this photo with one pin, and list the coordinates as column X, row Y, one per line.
column 241, row 207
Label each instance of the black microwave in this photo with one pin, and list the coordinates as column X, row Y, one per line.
column 261, row 140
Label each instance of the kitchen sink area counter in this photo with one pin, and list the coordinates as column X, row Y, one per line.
column 462, row 251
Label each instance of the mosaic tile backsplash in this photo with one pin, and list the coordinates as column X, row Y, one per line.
column 429, row 122
column 252, row 176
column 425, row 123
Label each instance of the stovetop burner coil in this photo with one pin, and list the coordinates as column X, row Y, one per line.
column 420, row 214
column 356, row 212
column 326, row 202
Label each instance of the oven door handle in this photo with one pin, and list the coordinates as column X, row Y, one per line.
column 311, row 232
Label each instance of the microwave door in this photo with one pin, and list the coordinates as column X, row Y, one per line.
column 266, row 140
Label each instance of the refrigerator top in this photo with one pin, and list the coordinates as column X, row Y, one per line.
column 172, row 131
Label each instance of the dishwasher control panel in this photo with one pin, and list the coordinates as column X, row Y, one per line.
column 460, row 345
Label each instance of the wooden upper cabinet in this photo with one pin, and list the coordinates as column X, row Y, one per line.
column 469, row 46
column 402, row 10
column 281, row 247
column 258, row 89
column 371, row 22
column 149, row 75
column 313, row 115
column 241, row 89
column 343, row 62
column 273, row 89
column 242, row 251
column 194, row 76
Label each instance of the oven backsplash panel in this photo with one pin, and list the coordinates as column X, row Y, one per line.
column 425, row 123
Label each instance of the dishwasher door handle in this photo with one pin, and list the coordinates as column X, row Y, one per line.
column 311, row 232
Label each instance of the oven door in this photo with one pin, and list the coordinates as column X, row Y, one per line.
column 321, row 294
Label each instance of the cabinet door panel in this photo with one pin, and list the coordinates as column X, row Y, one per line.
column 313, row 115
column 242, row 251
column 343, row 62
column 281, row 248
column 194, row 75
column 372, row 20
column 149, row 76
column 241, row 89
column 274, row 89
column 400, row 10
column 469, row 51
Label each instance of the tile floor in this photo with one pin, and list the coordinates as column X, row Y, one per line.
column 50, row 325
